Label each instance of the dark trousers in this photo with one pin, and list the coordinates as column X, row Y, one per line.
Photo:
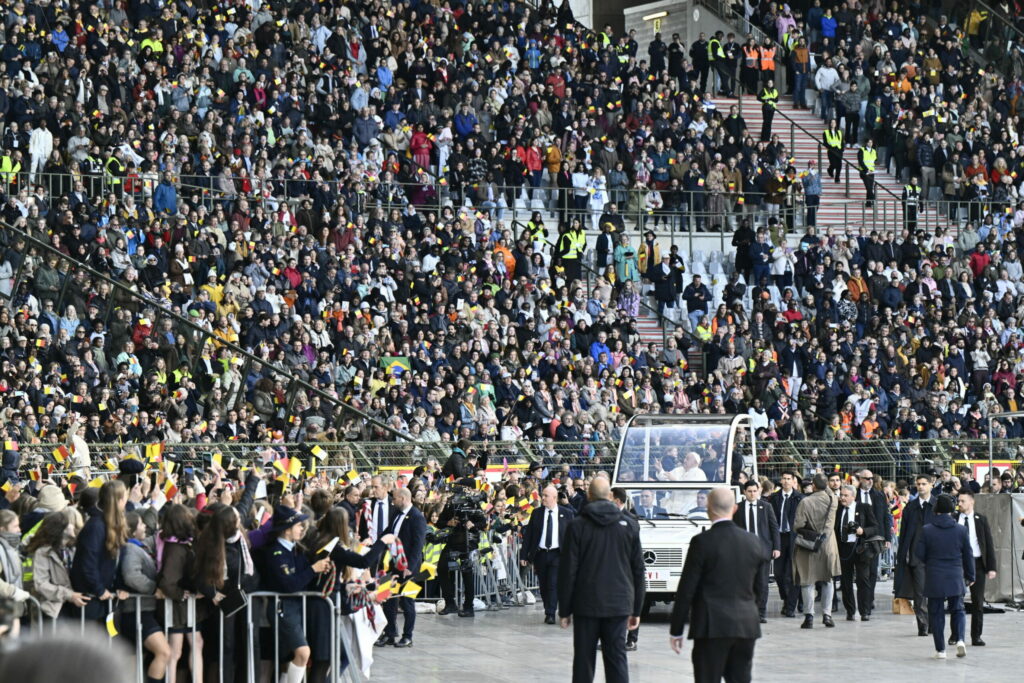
column 937, row 616
column 767, row 114
column 447, row 576
column 762, row 580
column 835, row 162
column 977, row 600
column 920, row 606
column 611, row 631
column 408, row 606
column 856, row 571
column 783, row 565
column 718, row 658
column 573, row 270
column 869, row 184
column 812, row 202
column 545, row 565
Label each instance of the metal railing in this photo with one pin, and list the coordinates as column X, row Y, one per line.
column 518, row 202
column 196, row 337
column 723, row 9
column 892, row 457
column 998, row 39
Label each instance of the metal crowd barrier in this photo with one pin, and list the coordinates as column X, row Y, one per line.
column 339, row 636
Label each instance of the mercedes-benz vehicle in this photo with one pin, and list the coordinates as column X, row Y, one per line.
column 668, row 463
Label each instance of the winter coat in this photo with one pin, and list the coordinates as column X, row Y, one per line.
column 809, row 567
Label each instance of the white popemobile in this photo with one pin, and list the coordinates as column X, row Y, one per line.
column 667, row 463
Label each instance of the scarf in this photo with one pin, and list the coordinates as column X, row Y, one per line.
column 161, row 542
column 243, row 549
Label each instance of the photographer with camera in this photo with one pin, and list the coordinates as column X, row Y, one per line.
column 855, row 525
column 542, row 545
column 464, row 520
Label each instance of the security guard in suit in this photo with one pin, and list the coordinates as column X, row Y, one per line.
column 287, row 570
column 758, row 517
column 769, row 97
column 571, row 246
column 855, row 524
column 979, row 534
column 784, row 502
column 911, row 199
column 834, row 148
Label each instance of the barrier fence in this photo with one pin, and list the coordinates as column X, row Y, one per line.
column 892, row 458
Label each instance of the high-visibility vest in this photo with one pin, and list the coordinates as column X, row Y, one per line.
column 623, row 52
column 28, row 563
column 913, row 193
column 753, row 57
column 770, row 97
column 114, row 168
column 9, row 168
column 536, row 231
column 715, row 50
column 869, row 158
column 834, row 138
column 767, row 59
column 577, row 242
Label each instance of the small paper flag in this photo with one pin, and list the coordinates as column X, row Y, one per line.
column 111, row 628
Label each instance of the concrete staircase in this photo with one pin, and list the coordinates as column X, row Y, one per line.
column 842, row 204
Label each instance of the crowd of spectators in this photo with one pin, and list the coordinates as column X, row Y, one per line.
column 325, row 185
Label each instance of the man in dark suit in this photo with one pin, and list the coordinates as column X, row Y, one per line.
column 757, row 517
column 868, row 494
column 542, row 546
column 784, row 502
column 351, row 503
column 377, row 512
column 855, row 524
column 909, row 580
column 944, row 548
column 648, row 507
column 718, row 596
column 410, row 526
column 984, row 553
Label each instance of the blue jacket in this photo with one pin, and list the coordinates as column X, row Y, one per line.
column 165, row 198
column 93, row 570
column 945, row 550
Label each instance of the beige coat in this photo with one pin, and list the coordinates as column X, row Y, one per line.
column 50, row 581
column 808, row 567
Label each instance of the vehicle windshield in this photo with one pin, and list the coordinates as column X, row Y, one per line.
column 685, row 453
column 662, row 504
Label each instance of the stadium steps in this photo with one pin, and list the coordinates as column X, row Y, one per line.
column 850, row 210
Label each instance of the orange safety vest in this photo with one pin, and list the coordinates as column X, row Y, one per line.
column 846, row 422
column 868, row 428
column 768, row 59
column 752, row 57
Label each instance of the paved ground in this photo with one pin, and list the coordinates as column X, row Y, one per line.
column 515, row 646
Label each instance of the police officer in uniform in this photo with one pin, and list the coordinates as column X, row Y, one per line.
column 911, row 199
column 866, row 157
column 769, row 96
column 287, row 570
column 834, row 148
column 571, row 246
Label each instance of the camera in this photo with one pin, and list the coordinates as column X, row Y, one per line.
column 850, row 528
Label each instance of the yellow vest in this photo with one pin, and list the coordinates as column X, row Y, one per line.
column 869, row 158
column 9, row 169
column 769, row 97
column 577, row 242
column 834, row 138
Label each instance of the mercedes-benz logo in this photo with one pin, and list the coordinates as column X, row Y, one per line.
column 650, row 557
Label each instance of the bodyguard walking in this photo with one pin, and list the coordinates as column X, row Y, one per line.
column 719, row 594
column 945, row 552
column 601, row 584
column 541, row 546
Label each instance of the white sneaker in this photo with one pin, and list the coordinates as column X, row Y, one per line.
column 961, row 649
column 941, row 654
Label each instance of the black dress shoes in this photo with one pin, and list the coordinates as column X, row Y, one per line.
column 466, row 613
column 808, row 621
column 447, row 610
column 385, row 641
column 865, row 617
column 827, row 620
column 978, row 643
column 548, row 619
column 764, row 620
column 849, row 617
column 952, row 640
column 404, row 642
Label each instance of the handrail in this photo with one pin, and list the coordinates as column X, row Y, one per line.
column 293, row 380
column 993, row 51
column 725, row 13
